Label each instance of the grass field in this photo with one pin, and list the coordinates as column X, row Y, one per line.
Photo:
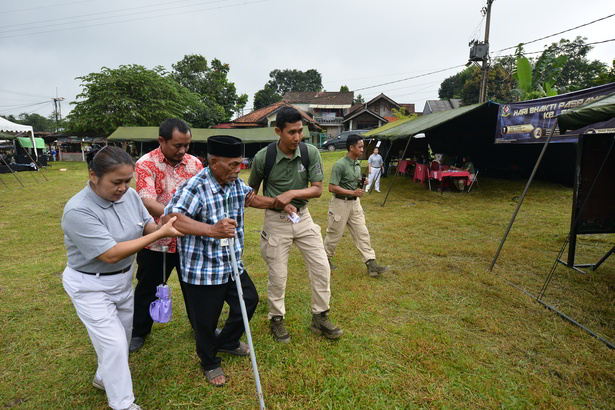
column 436, row 331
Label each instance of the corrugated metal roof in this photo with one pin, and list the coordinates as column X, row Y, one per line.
column 408, row 127
column 143, row 134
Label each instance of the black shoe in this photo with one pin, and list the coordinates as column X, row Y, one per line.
column 373, row 269
column 321, row 325
column 279, row 332
column 136, row 343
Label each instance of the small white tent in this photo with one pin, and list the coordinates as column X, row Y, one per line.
column 12, row 128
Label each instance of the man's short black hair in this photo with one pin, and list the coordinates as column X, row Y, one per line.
column 352, row 140
column 287, row 115
column 168, row 125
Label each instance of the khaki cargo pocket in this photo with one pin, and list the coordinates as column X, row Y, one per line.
column 333, row 218
column 269, row 246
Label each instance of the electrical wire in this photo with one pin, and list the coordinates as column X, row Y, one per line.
column 408, row 78
column 17, row 106
column 558, row 48
column 22, row 93
column 109, row 17
column 44, row 7
column 137, row 19
column 561, row 32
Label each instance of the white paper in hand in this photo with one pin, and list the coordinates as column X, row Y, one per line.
column 294, row 218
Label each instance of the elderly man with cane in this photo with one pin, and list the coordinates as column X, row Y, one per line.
column 210, row 211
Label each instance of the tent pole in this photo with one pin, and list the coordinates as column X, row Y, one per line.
column 393, row 180
column 13, row 172
column 527, row 187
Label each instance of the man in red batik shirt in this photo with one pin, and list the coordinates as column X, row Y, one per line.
column 159, row 174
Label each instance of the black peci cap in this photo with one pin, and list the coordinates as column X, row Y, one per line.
column 225, row 146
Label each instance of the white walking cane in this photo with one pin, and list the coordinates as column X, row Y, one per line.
column 246, row 323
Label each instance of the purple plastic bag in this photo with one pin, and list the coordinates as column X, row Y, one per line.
column 160, row 309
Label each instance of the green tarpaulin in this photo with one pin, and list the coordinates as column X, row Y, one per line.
column 406, row 128
column 26, row 142
column 598, row 111
column 149, row 134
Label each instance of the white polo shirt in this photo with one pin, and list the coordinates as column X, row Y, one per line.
column 92, row 225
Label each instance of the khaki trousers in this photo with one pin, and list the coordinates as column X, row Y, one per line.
column 344, row 213
column 277, row 238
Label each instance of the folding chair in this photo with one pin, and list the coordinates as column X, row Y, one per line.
column 474, row 180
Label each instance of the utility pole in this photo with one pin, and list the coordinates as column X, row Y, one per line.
column 57, row 108
column 483, row 83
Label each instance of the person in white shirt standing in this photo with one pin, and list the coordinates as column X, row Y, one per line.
column 374, row 164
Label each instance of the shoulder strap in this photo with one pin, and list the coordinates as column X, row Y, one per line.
column 269, row 162
column 305, row 159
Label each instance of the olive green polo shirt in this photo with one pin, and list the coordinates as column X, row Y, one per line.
column 346, row 173
column 287, row 173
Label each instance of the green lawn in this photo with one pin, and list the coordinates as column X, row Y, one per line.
column 438, row 330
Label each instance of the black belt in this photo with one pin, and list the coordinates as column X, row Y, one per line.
column 106, row 273
column 344, row 198
column 375, row 167
column 298, row 209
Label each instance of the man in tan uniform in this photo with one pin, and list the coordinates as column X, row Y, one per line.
column 345, row 208
column 285, row 168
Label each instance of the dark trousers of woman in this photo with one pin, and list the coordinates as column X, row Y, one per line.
column 204, row 303
column 149, row 275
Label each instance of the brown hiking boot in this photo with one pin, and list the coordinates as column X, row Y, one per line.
column 277, row 328
column 373, row 269
column 321, row 325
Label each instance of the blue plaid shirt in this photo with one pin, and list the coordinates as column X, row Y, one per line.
column 203, row 260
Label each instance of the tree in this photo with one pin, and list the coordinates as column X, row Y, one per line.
column 499, row 86
column 578, row 72
column 130, row 95
column 265, row 97
column 344, row 89
column 452, row 87
column 540, row 80
column 358, row 100
column 37, row 121
column 402, row 113
column 218, row 95
column 283, row 81
column 607, row 76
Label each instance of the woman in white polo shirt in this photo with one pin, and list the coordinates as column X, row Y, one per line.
column 104, row 225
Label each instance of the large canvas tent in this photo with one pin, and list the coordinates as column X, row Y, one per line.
column 254, row 138
column 249, row 135
column 464, row 130
column 596, row 112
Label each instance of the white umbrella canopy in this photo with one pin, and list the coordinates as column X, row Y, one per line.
column 13, row 128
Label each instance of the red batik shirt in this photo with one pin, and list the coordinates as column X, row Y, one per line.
column 158, row 179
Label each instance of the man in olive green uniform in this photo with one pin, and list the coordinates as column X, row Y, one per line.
column 345, row 209
column 287, row 181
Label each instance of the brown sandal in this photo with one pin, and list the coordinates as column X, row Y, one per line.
column 212, row 374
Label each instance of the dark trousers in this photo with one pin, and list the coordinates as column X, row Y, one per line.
column 205, row 302
column 149, row 275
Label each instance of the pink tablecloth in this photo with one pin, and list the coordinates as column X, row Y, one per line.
column 421, row 173
column 439, row 175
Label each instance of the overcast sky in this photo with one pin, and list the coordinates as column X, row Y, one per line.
column 45, row 44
